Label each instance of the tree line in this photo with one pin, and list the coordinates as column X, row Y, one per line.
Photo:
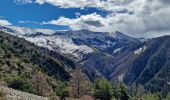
column 102, row 89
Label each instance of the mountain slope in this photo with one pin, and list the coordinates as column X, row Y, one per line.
column 115, row 56
column 151, row 67
column 96, row 51
column 21, row 60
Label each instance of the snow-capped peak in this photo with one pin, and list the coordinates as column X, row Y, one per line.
column 120, row 36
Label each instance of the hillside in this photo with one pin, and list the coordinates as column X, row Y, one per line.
column 11, row 94
column 26, row 64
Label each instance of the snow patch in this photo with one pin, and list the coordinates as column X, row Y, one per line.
column 117, row 50
column 62, row 45
column 140, row 50
column 120, row 77
column 168, row 83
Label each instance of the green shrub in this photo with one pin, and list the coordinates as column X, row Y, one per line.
column 150, row 96
column 19, row 83
column 123, row 93
column 167, row 97
column 62, row 90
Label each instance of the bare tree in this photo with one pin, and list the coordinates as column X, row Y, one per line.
column 40, row 84
column 79, row 85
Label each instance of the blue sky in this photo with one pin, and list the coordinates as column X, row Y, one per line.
column 133, row 17
column 33, row 14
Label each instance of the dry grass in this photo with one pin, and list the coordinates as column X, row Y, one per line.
column 2, row 94
column 53, row 98
column 86, row 98
column 82, row 98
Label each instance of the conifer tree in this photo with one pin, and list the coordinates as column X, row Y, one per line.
column 103, row 89
column 123, row 93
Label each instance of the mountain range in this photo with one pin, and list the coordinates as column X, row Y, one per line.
column 115, row 56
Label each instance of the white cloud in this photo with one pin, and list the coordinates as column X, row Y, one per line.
column 23, row 1
column 92, row 21
column 23, row 22
column 4, row 22
column 143, row 16
column 28, row 22
column 111, row 5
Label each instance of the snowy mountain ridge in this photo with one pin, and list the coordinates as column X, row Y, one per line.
column 77, row 43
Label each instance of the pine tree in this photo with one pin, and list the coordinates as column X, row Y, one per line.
column 103, row 89
column 123, row 93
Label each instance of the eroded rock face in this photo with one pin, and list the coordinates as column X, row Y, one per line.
column 11, row 94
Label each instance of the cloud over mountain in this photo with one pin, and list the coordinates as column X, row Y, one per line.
column 4, row 22
column 128, row 16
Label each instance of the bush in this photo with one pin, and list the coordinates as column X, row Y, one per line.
column 19, row 83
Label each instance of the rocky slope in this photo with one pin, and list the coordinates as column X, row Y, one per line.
column 11, row 94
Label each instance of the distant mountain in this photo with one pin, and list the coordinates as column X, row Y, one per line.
column 97, row 51
column 114, row 56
